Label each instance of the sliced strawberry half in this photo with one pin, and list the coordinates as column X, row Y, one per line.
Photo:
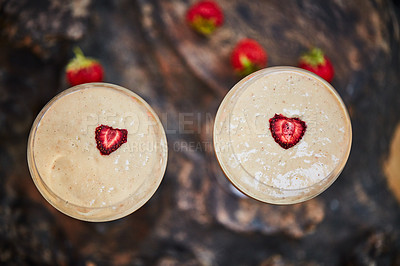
column 109, row 139
column 287, row 132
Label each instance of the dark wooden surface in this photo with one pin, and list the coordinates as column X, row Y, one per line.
column 194, row 219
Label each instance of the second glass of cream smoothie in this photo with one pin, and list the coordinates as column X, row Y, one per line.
column 282, row 135
column 97, row 152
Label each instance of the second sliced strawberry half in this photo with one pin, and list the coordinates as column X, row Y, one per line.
column 286, row 131
column 109, row 139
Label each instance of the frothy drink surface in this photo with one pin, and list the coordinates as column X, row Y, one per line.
column 248, row 152
column 69, row 162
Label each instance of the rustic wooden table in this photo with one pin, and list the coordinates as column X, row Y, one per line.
column 193, row 219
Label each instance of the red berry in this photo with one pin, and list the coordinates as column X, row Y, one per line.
column 318, row 63
column 83, row 69
column 205, row 17
column 109, row 139
column 248, row 56
column 287, row 132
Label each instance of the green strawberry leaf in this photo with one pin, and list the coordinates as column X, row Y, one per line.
column 204, row 26
column 248, row 67
column 80, row 60
column 314, row 58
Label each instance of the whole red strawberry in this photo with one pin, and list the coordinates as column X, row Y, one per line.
column 318, row 63
column 205, row 17
column 248, row 56
column 83, row 69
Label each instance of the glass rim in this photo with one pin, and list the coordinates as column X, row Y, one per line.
column 37, row 178
column 323, row 183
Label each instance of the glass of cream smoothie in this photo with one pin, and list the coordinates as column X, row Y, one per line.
column 97, row 152
column 282, row 135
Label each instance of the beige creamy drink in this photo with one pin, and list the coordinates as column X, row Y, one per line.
column 250, row 156
column 69, row 169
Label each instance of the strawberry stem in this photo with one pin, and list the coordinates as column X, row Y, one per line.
column 78, row 52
